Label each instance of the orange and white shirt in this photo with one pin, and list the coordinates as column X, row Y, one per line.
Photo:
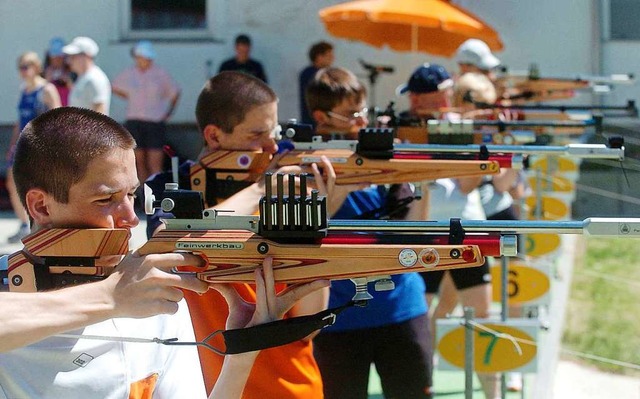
column 76, row 368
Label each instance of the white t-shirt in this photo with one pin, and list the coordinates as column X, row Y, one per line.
column 91, row 88
column 72, row 368
column 447, row 201
column 493, row 201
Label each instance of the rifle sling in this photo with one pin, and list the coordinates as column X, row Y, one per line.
column 279, row 332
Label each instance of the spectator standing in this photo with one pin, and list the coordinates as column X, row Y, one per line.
column 151, row 95
column 92, row 90
column 56, row 70
column 37, row 96
column 321, row 56
column 242, row 61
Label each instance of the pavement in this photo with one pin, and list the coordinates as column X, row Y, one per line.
column 556, row 378
column 577, row 381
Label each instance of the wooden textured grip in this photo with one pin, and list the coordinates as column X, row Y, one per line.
column 350, row 167
column 233, row 256
column 60, row 246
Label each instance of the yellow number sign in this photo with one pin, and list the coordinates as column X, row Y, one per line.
column 555, row 164
column 539, row 244
column 492, row 354
column 554, row 183
column 525, row 283
column 552, row 208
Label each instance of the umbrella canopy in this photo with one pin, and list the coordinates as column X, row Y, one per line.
column 433, row 26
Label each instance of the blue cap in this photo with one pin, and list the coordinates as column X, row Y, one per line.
column 55, row 47
column 144, row 49
column 428, row 78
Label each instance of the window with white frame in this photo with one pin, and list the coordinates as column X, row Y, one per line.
column 167, row 19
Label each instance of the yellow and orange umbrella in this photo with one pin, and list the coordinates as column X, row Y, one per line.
column 433, row 26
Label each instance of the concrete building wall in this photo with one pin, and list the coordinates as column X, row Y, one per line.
column 555, row 34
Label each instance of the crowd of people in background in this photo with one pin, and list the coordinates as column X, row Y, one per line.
column 236, row 109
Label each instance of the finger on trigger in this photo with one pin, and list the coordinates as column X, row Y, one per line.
column 192, row 283
column 170, row 260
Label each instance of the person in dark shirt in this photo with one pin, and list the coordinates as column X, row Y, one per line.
column 242, row 61
column 321, row 56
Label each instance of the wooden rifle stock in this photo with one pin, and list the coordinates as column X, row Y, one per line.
column 370, row 159
column 54, row 258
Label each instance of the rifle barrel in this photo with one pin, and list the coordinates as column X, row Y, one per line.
column 623, row 227
column 599, row 151
column 524, row 123
column 630, row 107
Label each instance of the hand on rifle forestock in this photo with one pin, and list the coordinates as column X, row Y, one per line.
column 269, row 305
column 325, row 182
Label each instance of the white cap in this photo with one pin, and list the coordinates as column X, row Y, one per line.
column 476, row 52
column 81, row 45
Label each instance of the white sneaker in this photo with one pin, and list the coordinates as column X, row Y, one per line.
column 514, row 382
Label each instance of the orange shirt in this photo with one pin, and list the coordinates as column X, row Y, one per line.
column 284, row 372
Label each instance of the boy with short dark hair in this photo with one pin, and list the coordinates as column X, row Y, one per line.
column 89, row 182
column 236, row 111
column 336, row 100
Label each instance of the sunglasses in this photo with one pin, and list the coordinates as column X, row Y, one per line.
column 24, row 67
column 352, row 117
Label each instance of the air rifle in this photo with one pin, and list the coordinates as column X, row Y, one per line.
column 628, row 110
column 370, row 159
column 614, row 151
column 424, row 130
column 531, row 87
column 292, row 229
column 502, row 130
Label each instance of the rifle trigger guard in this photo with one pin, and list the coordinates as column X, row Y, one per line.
column 176, row 270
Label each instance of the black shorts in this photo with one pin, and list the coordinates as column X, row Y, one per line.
column 401, row 352
column 148, row 135
column 462, row 278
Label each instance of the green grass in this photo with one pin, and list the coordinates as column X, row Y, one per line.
column 603, row 313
